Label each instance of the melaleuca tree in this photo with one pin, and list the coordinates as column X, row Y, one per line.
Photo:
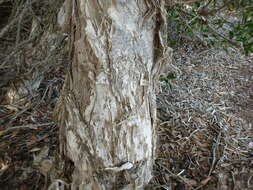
column 107, row 110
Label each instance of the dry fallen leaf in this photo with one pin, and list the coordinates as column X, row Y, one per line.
column 45, row 166
column 3, row 167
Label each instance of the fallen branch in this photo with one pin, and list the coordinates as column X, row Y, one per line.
column 30, row 126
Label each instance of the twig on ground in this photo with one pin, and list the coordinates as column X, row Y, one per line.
column 30, row 126
column 215, row 150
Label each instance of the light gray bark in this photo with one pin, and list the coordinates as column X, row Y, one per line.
column 107, row 111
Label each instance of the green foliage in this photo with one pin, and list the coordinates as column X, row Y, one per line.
column 214, row 23
column 167, row 79
column 243, row 32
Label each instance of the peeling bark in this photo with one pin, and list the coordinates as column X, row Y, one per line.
column 107, row 110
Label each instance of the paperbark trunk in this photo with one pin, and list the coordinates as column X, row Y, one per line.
column 107, row 110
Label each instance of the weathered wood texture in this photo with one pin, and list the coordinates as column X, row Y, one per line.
column 107, row 111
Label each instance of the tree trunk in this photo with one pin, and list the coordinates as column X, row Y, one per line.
column 107, row 110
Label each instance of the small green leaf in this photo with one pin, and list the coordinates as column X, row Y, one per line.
column 171, row 76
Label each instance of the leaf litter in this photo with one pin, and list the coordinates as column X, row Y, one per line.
column 205, row 132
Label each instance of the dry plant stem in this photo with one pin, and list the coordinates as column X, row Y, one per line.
column 215, row 150
column 18, row 48
column 244, row 8
column 187, row 24
column 21, row 16
column 56, row 47
column 7, row 27
column 19, row 24
column 16, row 18
column 30, row 126
column 178, row 177
column 173, row 2
column 224, row 37
column 248, row 182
